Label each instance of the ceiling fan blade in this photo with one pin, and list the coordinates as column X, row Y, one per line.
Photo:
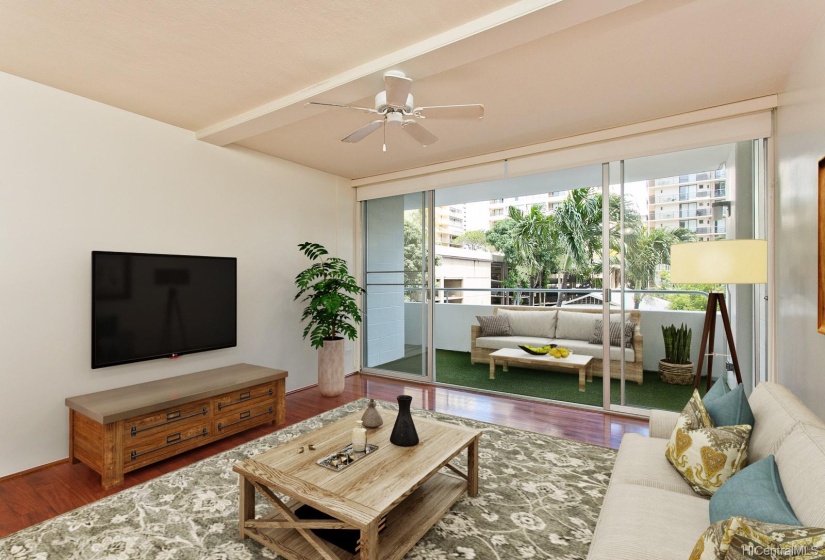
column 398, row 88
column 450, row 112
column 364, row 109
column 424, row 136
column 364, row 131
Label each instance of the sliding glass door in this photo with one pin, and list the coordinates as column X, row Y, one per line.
column 702, row 195
column 589, row 246
column 396, row 239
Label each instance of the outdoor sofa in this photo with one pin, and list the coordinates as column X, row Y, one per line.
column 567, row 327
column 651, row 513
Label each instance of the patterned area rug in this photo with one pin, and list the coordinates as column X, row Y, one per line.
column 539, row 497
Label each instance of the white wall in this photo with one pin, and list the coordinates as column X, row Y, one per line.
column 800, row 144
column 77, row 176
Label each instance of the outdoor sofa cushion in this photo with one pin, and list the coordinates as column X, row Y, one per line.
column 530, row 323
column 595, row 350
column 499, row 342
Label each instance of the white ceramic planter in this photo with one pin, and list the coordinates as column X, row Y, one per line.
column 331, row 368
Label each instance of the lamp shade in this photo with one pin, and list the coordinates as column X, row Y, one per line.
column 735, row 261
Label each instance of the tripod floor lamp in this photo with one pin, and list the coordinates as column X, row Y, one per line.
column 736, row 261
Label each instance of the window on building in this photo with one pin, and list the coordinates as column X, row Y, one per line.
column 687, row 192
column 687, row 210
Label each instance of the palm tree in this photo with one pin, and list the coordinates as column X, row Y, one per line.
column 576, row 226
column 631, row 228
column 645, row 251
column 532, row 243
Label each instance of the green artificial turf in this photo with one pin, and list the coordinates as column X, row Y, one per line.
column 454, row 368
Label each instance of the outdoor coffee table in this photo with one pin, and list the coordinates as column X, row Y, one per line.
column 397, row 491
column 507, row 356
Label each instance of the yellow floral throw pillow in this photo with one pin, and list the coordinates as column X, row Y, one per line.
column 740, row 538
column 706, row 456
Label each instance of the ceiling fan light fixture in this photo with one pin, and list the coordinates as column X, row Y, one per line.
column 395, row 118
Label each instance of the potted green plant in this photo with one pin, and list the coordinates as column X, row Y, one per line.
column 676, row 368
column 331, row 313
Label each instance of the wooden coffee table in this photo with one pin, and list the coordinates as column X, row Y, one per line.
column 397, row 491
column 507, row 356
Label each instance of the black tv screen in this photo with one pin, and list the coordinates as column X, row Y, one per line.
column 147, row 306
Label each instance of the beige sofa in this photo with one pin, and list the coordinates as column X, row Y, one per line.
column 649, row 511
column 571, row 328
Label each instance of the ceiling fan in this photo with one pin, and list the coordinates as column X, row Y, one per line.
column 395, row 107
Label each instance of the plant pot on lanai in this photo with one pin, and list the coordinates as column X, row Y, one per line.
column 331, row 311
column 676, row 368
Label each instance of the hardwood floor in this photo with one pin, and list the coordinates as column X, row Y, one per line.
column 36, row 496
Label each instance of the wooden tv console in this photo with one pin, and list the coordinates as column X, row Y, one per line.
column 120, row 430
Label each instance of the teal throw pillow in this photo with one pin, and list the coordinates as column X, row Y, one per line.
column 719, row 389
column 754, row 492
column 731, row 409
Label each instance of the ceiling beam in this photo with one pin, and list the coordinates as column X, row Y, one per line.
column 482, row 37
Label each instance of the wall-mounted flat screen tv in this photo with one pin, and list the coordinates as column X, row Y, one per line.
column 147, row 306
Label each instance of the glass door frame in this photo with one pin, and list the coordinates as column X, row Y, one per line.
column 428, row 357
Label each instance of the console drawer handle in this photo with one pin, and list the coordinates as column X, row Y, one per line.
column 174, row 439
column 243, row 418
column 173, row 416
column 245, row 396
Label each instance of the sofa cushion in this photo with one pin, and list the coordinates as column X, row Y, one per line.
column 575, row 325
column 499, row 342
column 618, row 336
column 662, row 423
column 777, row 411
column 530, row 323
column 706, row 456
column 595, row 350
column 754, row 492
column 801, row 463
column 729, row 409
column 494, row 325
column 644, row 523
column 641, row 461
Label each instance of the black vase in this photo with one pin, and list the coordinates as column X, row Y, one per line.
column 403, row 433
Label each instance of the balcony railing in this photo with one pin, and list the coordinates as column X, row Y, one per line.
column 666, row 215
column 694, row 195
column 693, row 213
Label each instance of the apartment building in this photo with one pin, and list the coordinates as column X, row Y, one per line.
column 697, row 202
column 499, row 208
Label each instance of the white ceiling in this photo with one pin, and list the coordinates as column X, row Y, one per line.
column 240, row 71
